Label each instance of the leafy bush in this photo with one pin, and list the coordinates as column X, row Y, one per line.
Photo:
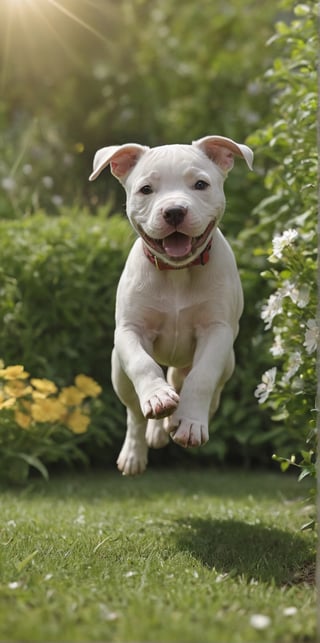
column 37, row 421
column 288, row 215
column 58, row 279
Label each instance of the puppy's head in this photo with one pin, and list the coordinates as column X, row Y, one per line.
column 175, row 195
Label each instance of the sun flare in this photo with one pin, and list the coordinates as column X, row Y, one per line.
column 20, row 3
column 30, row 30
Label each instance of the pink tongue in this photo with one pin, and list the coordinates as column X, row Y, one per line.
column 177, row 245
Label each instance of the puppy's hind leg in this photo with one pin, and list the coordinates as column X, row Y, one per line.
column 156, row 436
column 133, row 456
column 176, row 377
column 226, row 376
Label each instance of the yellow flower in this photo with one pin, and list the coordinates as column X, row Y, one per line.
column 7, row 404
column 14, row 373
column 39, row 396
column 16, row 388
column 47, row 410
column 22, row 419
column 1, row 364
column 26, row 404
column 71, row 396
column 88, row 385
column 44, row 386
column 77, row 422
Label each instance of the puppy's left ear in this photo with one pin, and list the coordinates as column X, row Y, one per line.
column 221, row 150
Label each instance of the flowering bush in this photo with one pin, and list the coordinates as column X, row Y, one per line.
column 289, row 387
column 40, row 423
column 289, row 215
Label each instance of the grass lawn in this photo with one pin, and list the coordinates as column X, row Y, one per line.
column 186, row 556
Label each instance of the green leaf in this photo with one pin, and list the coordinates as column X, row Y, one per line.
column 308, row 525
column 307, row 456
column 304, row 473
column 301, row 10
column 33, row 461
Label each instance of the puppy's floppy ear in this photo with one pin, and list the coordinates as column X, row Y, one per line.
column 221, row 150
column 122, row 159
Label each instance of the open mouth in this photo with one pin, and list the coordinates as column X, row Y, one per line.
column 177, row 245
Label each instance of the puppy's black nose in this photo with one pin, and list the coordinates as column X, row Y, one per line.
column 175, row 216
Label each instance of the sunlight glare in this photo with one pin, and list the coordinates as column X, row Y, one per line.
column 20, row 4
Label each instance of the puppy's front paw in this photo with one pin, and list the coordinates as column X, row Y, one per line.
column 156, row 436
column 133, row 458
column 189, row 433
column 161, row 403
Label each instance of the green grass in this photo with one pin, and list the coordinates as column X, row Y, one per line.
column 186, row 556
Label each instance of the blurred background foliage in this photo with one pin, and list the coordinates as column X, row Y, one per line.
column 77, row 75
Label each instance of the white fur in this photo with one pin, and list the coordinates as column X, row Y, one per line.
column 185, row 318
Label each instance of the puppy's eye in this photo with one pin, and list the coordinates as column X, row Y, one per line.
column 146, row 189
column 201, row 185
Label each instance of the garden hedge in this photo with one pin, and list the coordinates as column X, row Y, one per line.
column 58, row 278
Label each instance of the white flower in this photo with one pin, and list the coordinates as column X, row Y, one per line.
column 294, row 363
column 47, row 182
column 272, row 308
column 8, row 184
column 106, row 614
column 14, row 585
column 277, row 349
column 260, row 621
column 298, row 295
column 290, row 611
column 130, row 574
column 57, row 200
column 264, row 389
column 27, row 169
column 311, row 336
column 221, row 577
column 281, row 241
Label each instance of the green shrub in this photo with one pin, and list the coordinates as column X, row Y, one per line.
column 58, row 279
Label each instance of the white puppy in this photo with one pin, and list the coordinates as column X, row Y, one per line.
column 179, row 298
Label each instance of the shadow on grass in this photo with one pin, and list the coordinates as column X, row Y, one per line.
column 252, row 551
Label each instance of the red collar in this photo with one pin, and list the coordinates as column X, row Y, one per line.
column 201, row 260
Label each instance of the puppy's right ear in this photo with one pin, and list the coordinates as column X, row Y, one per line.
column 122, row 159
